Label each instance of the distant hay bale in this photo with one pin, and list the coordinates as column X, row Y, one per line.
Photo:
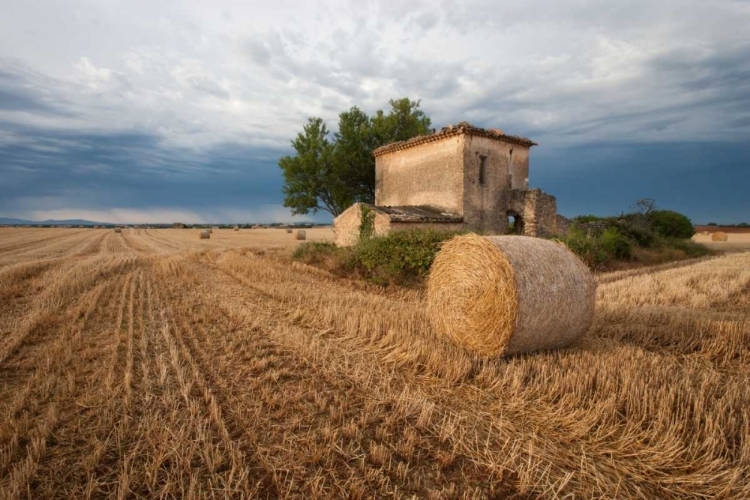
column 236, row 228
column 289, row 230
column 719, row 236
column 205, row 235
column 504, row 295
column 301, row 235
column 209, row 230
column 118, row 230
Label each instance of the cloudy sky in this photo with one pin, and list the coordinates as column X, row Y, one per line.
column 133, row 111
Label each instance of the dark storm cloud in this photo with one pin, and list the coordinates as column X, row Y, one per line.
column 626, row 99
column 133, row 171
column 20, row 91
column 705, row 180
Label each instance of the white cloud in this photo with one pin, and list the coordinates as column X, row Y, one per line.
column 202, row 73
column 177, row 81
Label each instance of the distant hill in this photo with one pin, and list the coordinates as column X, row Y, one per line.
column 5, row 221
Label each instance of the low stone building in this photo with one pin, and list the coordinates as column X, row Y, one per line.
column 460, row 178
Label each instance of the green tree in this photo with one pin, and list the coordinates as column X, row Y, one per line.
column 330, row 175
column 311, row 177
column 671, row 224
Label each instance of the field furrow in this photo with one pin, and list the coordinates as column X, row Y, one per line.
column 153, row 364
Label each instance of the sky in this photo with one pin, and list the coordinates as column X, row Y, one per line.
column 141, row 111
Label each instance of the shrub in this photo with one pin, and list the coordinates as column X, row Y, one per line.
column 399, row 257
column 691, row 248
column 638, row 230
column 585, row 246
column 315, row 251
column 614, row 244
column 583, row 219
column 402, row 257
column 671, row 224
column 367, row 224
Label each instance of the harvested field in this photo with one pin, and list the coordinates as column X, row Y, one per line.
column 738, row 241
column 152, row 363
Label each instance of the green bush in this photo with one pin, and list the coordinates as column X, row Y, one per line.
column 615, row 244
column 671, row 224
column 314, row 252
column 691, row 248
column 637, row 229
column 582, row 219
column 402, row 258
column 584, row 245
column 399, row 257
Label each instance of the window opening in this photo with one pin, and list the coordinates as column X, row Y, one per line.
column 482, row 170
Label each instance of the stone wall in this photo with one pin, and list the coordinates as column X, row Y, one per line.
column 429, row 174
column 347, row 225
column 562, row 224
column 486, row 205
column 540, row 213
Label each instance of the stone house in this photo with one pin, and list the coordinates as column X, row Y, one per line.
column 459, row 178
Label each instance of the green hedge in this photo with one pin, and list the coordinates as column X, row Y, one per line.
column 402, row 257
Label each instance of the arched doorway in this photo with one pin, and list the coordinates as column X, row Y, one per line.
column 515, row 223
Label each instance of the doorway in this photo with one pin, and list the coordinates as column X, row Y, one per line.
column 515, row 223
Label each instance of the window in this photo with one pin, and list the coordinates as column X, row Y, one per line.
column 482, row 170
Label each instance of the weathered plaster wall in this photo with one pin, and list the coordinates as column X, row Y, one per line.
column 429, row 174
column 519, row 168
column 486, row 206
column 346, row 225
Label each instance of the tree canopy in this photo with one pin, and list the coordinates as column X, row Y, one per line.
column 671, row 224
column 331, row 173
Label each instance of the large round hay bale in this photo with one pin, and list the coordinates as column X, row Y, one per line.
column 301, row 235
column 289, row 230
column 209, row 230
column 205, row 235
column 236, row 228
column 503, row 295
column 118, row 230
column 719, row 236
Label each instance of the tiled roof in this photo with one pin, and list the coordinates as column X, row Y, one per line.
column 418, row 214
column 450, row 131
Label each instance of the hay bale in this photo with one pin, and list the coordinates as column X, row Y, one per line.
column 503, row 295
column 719, row 236
column 205, row 235
column 236, row 228
column 118, row 230
column 301, row 235
column 209, row 230
column 289, row 230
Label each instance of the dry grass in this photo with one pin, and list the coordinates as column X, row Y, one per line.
column 154, row 364
column 737, row 242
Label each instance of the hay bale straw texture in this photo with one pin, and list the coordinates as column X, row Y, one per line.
column 719, row 236
column 301, row 235
column 118, row 230
column 236, row 228
column 289, row 230
column 503, row 295
column 205, row 235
